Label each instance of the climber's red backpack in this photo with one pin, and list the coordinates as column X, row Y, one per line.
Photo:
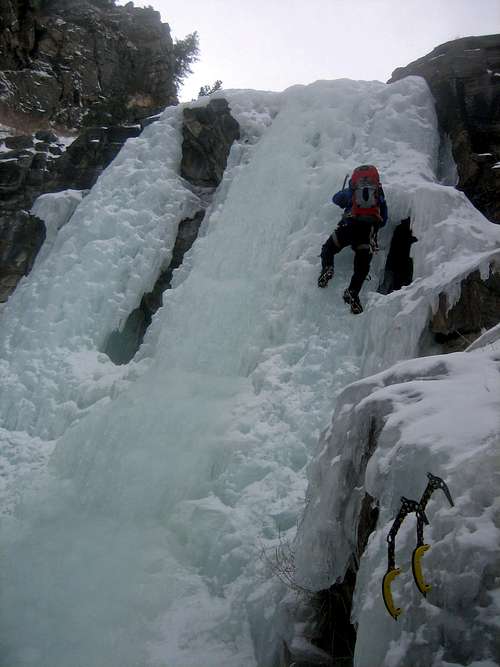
column 365, row 187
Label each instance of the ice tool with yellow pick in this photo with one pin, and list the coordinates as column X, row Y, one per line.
column 407, row 507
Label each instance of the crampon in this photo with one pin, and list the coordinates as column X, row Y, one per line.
column 325, row 276
column 353, row 300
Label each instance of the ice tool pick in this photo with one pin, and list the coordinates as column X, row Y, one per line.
column 407, row 507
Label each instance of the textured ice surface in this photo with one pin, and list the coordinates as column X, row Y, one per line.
column 101, row 263
column 55, row 209
column 140, row 543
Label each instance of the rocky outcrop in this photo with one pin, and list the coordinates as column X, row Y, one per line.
column 21, row 237
column 208, row 134
column 464, row 77
column 41, row 163
column 69, row 62
column 37, row 164
column 88, row 156
column 477, row 309
column 434, row 414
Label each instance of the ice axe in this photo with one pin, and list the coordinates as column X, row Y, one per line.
column 433, row 484
column 409, row 506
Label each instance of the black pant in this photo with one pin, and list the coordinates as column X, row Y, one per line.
column 358, row 234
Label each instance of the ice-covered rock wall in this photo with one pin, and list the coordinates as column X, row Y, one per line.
column 437, row 414
column 464, row 78
column 141, row 540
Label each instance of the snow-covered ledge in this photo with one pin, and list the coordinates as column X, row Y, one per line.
column 437, row 414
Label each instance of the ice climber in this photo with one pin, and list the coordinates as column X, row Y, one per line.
column 365, row 211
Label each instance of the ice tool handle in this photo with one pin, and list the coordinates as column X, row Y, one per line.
column 407, row 507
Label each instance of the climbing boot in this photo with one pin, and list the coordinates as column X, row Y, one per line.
column 325, row 275
column 353, row 300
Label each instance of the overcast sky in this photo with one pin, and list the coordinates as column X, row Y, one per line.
column 273, row 44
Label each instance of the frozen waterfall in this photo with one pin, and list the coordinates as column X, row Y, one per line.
column 138, row 498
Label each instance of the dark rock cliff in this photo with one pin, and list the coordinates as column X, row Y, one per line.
column 464, row 77
column 208, row 133
column 65, row 64
column 87, row 62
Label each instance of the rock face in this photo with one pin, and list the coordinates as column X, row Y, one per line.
column 464, row 77
column 88, row 156
column 477, row 309
column 208, row 134
column 72, row 62
column 41, row 164
column 21, row 237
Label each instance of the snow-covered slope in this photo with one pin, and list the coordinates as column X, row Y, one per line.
column 140, row 542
